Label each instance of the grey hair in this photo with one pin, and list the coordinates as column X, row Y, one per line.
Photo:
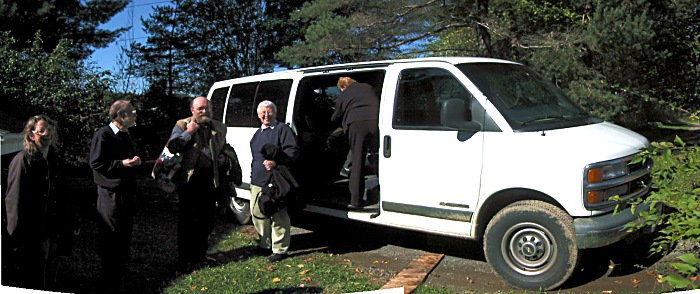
column 267, row 103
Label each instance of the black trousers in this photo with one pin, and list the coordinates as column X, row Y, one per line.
column 196, row 210
column 115, row 227
column 363, row 137
column 29, row 265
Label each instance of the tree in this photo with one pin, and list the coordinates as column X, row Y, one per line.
column 353, row 30
column 71, row 92
column 196, row 42
column 74, row 20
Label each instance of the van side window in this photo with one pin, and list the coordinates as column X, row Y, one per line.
column 420, row 94
column 241, row 107
column 218, row 100
column 244, row 98
column 276, row 91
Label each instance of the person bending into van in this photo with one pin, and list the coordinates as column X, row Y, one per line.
column 357, row 107
column 38, row 218
column 114, row 161
column 200, row 140
column 275, row 231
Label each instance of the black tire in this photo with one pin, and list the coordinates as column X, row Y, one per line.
column 240, row 209
column 531, row 245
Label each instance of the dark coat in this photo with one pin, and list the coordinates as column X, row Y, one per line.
column 358, row 102
column 191, row 147
column 34, row 209
column 276, row 194
column 106, row 154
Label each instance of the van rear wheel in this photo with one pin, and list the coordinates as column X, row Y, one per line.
column 531, row 245
column 240, row 208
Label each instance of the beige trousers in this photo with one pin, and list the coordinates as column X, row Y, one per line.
column 276, row 231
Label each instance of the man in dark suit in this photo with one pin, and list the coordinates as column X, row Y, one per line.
column 113, row 160
column 357, row 107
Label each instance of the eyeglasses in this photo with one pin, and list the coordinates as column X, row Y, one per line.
column 41, row 133
column 269, row 113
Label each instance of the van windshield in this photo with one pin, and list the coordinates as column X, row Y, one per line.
column 526, row 100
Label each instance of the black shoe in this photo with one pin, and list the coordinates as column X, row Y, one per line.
column 275, row 257
column 259, row 251
column 352, row 207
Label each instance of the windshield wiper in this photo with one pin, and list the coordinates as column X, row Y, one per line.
column 541, row 119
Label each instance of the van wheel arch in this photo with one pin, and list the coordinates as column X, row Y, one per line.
column 500, row 200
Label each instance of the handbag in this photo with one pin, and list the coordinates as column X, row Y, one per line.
column 165, row 169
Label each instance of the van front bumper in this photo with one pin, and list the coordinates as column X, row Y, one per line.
column 601, row 230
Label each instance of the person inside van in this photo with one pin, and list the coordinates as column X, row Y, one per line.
column 357, row 108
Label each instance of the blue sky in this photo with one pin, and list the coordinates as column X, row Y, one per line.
column 131, row 16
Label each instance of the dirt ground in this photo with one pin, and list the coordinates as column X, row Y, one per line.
column 619, row 268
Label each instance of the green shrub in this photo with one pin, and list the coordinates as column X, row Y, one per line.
column 675, row 174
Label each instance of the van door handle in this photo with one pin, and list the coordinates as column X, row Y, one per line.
column 387, row 146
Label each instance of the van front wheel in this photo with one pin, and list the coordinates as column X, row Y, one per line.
column 531, row 245
column 240, row 208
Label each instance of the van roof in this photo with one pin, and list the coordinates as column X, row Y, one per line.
column 370, row 64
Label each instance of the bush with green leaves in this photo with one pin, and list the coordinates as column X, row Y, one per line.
column 676, row 176
column 69, row 91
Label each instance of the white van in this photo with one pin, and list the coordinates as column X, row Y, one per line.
column 469, row 147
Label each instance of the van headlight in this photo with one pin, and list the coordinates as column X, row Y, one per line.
column 607, row 172
column 603, row 181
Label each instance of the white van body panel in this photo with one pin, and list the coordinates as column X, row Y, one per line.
column 552, row 162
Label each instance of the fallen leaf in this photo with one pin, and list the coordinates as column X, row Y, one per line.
column 635, row 281
column 694, row 278
column 660, row 279
column 357, row 270
column 270, row 268
column 304, row 272
column 619, row 282
column 606, row 291
column 204, row 289
column 193, row 288
column 376, row 261
column 288, row 265
column 307, row 279
column 258, row 280
column 346, row 260
column 276, row 280
column 650, row 273
column 289, row 278
column 300, row 265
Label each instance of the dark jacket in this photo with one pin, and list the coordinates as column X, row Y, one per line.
column 358, row 102
column 191, row 147
column 34, row 208
column 281, row 183
column 279, row 134
column 106, row 154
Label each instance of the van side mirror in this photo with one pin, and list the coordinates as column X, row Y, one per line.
column 455, row 114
